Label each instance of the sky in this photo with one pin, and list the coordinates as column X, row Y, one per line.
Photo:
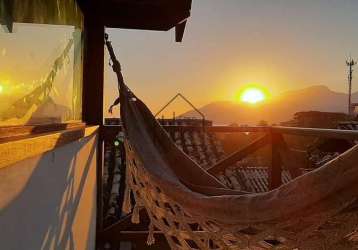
column 228, row 44
column 279, row 44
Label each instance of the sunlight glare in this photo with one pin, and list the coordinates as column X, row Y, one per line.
column 252, row 95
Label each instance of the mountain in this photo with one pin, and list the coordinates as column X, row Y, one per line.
column 278, row 109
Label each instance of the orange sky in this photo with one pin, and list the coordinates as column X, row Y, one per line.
column 280, row 44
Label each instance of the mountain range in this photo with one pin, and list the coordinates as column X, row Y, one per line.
column 278, row 109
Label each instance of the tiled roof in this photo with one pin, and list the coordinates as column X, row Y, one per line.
column 204, row 148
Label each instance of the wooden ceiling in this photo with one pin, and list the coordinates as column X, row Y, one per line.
column 126, row 14
column 161, row 15
column 145, row 14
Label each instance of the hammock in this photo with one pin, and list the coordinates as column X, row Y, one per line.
column 195, row 211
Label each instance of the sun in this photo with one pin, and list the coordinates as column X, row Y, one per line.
column 252, row 95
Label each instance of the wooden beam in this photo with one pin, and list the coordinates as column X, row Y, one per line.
column 18, row 150
column 92, row 100
column 148, row 16
column 275, row 169
column 218, row 129
column 12, row 133
column 93, row 72
column 239, row 155
column 314, row 132
column 110, row 129
column 317, row 132
column 179, row 31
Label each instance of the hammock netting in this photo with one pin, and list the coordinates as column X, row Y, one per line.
column 194, row 210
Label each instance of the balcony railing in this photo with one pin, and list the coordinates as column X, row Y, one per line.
column 284, row 163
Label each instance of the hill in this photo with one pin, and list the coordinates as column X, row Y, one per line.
column 278, row 109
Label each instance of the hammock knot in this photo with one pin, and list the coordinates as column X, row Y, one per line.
column 151, row 239
column 135, row 214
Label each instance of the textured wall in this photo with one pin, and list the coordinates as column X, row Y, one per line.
column 49, row 201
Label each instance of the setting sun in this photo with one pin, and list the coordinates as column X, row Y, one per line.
column 252, row 95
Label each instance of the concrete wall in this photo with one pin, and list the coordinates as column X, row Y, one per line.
column 49, row 201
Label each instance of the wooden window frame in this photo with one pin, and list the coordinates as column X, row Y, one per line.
column 46, row 137
column 92, row 89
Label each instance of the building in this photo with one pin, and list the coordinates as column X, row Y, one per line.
column 316, row 119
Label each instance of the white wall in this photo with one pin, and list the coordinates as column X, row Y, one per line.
column 49, row 201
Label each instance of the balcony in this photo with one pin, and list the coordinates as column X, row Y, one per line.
column 63, row 170
column 266, row 158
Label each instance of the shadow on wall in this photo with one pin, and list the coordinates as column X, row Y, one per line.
column 49, row 201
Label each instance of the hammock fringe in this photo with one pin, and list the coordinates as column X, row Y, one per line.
column 135, row 215
column 127, row 206
column 151, row 239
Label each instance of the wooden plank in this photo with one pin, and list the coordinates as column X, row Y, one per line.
column 314, row 132
column 11, row 133
column 92, row 100
column 149, row 16
column 92, row 95
column 223, row 129
column 317, row 132
column 275, row 169
column 239, row 155
column 218, row 129
column 15, row 151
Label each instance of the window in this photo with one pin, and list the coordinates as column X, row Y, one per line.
column 41, row 52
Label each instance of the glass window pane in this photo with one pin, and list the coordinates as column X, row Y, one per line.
column 40, row 62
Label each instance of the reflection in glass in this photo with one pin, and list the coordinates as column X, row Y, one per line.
column 40, row 62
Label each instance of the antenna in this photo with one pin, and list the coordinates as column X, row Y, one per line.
column 350, row 63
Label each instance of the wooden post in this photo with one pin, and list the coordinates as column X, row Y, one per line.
column 275, row 169
column 6, row 10
column 92, row 108
column 292, row 160
column 92, row 101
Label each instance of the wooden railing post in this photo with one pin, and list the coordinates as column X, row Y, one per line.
column 92, row 99
column 275, row 170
